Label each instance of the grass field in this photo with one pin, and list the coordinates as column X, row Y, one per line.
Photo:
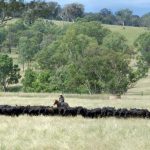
column 131, row 33
column 65, row 133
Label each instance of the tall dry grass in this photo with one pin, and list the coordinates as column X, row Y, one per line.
column 76, row 133
column 58, row 133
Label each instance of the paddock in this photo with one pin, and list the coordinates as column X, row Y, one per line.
column 59, row 132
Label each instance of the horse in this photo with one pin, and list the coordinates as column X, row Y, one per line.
column 61, row 104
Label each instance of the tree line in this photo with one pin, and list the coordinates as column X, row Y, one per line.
column 70, row 12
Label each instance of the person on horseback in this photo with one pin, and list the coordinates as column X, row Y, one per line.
column 61, row 99
column 61, row 104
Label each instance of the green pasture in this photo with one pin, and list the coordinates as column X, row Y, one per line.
column 131, row 33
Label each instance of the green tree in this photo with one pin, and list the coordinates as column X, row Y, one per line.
column 9, row 73
column 29, row 17
column 124, row 16
column 46, row 10
column 116, row 42
column 3, row 13
column 136, row 21
column 143, row 45
column 10, row 41
column 37, row 82
column 28, row 48
column 12, row 35
column 28, row 80
column 90, row 17
column 71, row 11
column 88, row 59
column 3, row 34
column 92, row 29
column 106, row 16
column 15, row 8
column 110, row 71
column 69, row 48
column 145, row 20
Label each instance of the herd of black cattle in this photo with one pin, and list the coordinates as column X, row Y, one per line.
column 73, row 111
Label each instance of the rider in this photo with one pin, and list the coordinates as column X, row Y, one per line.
column 61, row 99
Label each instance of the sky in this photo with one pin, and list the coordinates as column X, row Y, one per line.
column 138, row 7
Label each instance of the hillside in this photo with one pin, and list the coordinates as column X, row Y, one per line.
column 131, row 33
column 141, row 90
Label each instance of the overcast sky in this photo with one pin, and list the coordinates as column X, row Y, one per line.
column 138, row 6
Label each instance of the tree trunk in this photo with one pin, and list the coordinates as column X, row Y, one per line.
column 4, row 87
column 9, row 48
column 23, row 66
column 88, row 87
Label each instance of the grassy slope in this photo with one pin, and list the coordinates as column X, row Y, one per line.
column 9, row 22
column 76, row 133
column 142, row 88
column 131, row 33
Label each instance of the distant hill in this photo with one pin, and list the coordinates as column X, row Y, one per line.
column 131, row 33
column 142, row 88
